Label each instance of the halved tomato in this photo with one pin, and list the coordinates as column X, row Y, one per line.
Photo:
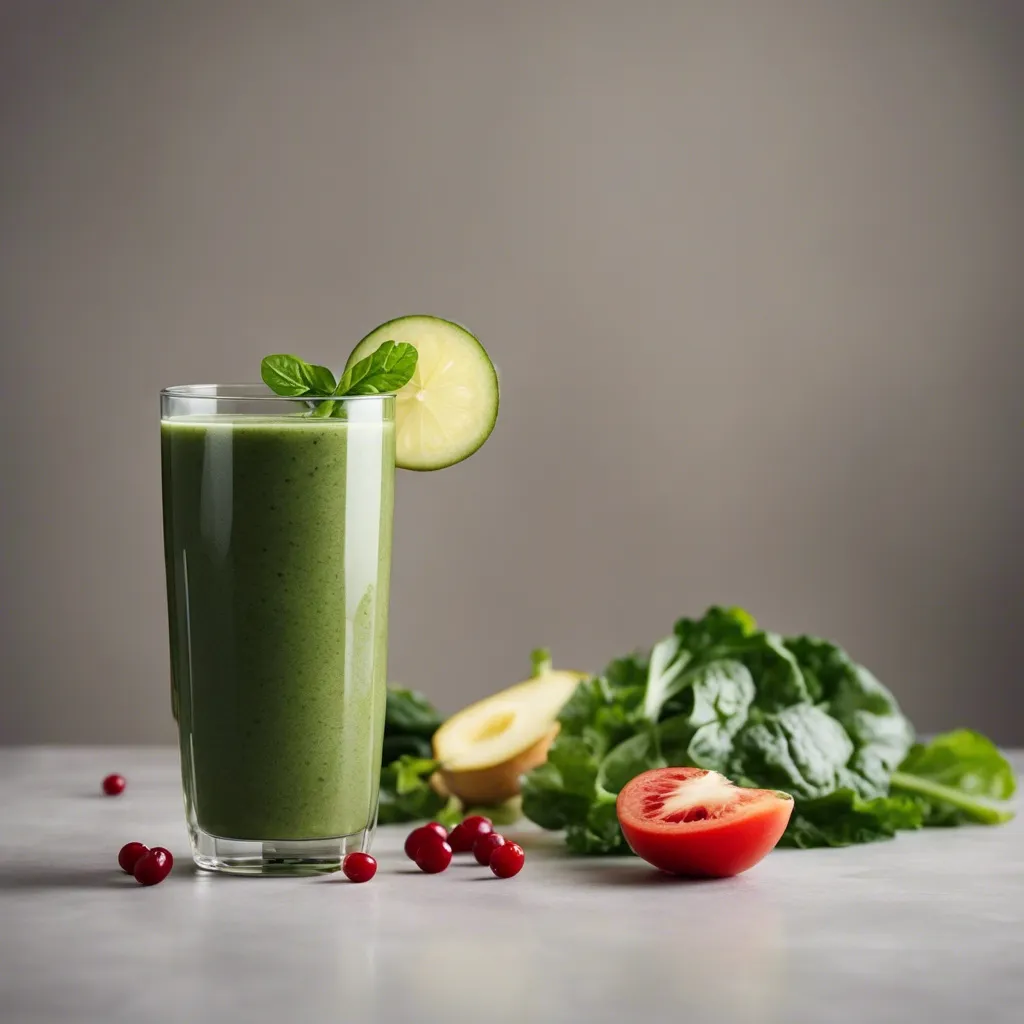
column 689, row 821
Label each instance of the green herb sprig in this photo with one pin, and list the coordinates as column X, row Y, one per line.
column 384, row 371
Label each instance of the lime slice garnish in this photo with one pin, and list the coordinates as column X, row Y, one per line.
column 449, row 407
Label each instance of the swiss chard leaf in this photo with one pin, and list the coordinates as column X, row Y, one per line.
column 957, row 778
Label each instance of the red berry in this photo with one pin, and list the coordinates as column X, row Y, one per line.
column 359, row 867
column 113, row 785
column 130, row 854
column 433, row 855
column 417, row 835
column 485, row 845
column 465, row 834
column 436, row 826
column 153, row 867
column 461, row 841
column 507, row 860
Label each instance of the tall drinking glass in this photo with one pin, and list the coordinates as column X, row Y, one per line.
column 277, row 538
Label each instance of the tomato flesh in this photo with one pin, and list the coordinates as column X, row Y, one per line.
column 689, row 821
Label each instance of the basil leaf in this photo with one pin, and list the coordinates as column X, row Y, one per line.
column 289, row 375
column 285, row 375
column 384, row 371
column 321, row 380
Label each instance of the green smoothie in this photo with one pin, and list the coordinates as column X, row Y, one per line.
column 278, row 546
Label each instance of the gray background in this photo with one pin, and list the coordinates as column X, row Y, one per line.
column 751, row 272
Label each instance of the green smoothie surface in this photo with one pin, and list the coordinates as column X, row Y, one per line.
column 278, row 546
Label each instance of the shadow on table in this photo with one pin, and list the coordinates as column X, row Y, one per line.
column 635, row 874
column 22, row 877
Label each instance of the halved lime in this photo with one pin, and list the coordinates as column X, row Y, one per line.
column 450, row 406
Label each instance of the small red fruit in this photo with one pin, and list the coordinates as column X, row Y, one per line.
column 507, row 860
column 113, row 785
column 359, row 867
column 417, row 835
column 468, row 831
column 433, row 855
column 129, row 856
column 485, row 845
column 153, row 867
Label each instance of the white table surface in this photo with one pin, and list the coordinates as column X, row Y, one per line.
column 926, row 928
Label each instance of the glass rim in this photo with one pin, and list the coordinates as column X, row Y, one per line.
column 253, row 392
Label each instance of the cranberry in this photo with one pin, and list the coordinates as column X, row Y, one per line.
column 507, row 860
column 465, row 834
column 433, row 854
column 113, row 785
column 153, row 867
column 130, row 855
column 485, row 845
column 359, row 867
column 417, row 835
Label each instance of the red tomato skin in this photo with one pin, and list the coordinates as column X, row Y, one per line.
column 717, row 848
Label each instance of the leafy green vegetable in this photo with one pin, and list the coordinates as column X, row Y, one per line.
column 800, row 749
column 410, row 721
column 290, row 375
column 794, row 714
column 384, row 371
column 600, row 833
column 956, row 778
column 843, row 818
column 868, row 712
column 388, row 369
column 559, row 792
column 405, row 791
column 411, row 713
